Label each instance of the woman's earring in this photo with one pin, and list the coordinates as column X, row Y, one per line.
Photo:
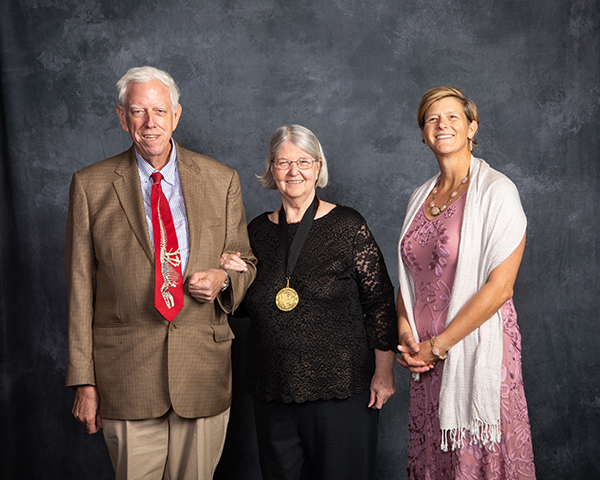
column 425, row 149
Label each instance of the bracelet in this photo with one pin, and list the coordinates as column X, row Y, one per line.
column 435, row 350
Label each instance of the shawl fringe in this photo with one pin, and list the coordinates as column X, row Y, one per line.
column 481, row 434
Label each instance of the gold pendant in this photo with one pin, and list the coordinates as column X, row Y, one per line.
column 287, row 298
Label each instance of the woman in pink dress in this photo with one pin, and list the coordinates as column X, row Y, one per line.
column 460, row 249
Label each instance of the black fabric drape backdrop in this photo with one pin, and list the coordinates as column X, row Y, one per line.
column 353, row 72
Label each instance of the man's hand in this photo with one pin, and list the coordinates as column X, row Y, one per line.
column 86, row 408
column 205, row 286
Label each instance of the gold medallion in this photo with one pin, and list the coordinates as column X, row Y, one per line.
column 287, row 298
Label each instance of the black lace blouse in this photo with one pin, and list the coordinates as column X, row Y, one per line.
column 323, row 348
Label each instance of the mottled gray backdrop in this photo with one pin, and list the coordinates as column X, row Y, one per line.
column 353, row 71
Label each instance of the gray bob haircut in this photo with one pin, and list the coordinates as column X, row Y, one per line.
column 144, row 75
column 305, row 140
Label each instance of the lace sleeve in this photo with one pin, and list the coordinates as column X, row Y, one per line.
column 376, row 291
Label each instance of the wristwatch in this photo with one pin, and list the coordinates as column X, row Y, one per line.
column 436, row 351
column 226, row 284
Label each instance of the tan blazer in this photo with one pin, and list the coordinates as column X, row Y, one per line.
column 141, row 364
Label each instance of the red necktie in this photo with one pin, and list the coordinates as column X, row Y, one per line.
column 168, row 281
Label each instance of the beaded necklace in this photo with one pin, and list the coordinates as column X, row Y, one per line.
column 435, row 210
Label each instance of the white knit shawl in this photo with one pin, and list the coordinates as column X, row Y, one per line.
column 493, row 226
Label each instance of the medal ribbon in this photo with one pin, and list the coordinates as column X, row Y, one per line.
column 290, row 254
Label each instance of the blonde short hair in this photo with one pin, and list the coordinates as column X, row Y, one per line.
column 437, row 93
column 305, row 140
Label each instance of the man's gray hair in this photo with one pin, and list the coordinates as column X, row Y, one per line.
column 305, row 140
column 144, row 75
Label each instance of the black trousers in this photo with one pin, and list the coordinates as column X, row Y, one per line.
column 318, row 440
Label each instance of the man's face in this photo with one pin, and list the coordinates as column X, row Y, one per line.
column 149, row 118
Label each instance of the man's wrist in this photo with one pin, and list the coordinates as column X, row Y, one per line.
column 225, row 285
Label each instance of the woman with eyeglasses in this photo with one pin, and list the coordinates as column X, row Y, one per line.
column 322, row 324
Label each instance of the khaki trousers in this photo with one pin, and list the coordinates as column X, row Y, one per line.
column 169, row 447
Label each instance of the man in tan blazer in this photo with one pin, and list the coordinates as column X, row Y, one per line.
column 161, row 390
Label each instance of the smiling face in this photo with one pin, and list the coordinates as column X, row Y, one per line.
column 149, row 118
column 447, row 129
column 295, row 186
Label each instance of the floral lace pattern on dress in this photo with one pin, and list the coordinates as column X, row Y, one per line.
column 432, row 294
column 422, row 232
column 512, row 459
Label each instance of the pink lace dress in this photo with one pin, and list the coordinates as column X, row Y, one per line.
column 430, row 250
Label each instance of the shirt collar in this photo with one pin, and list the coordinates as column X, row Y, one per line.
column 168, row 171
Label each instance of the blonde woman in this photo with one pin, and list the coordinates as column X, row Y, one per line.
column 460, row 249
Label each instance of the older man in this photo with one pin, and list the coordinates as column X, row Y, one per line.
column 149, row 342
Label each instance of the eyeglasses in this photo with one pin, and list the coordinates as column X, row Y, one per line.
column 301, row 163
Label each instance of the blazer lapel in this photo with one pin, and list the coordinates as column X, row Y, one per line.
column 129, row 191
column 193, row 187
